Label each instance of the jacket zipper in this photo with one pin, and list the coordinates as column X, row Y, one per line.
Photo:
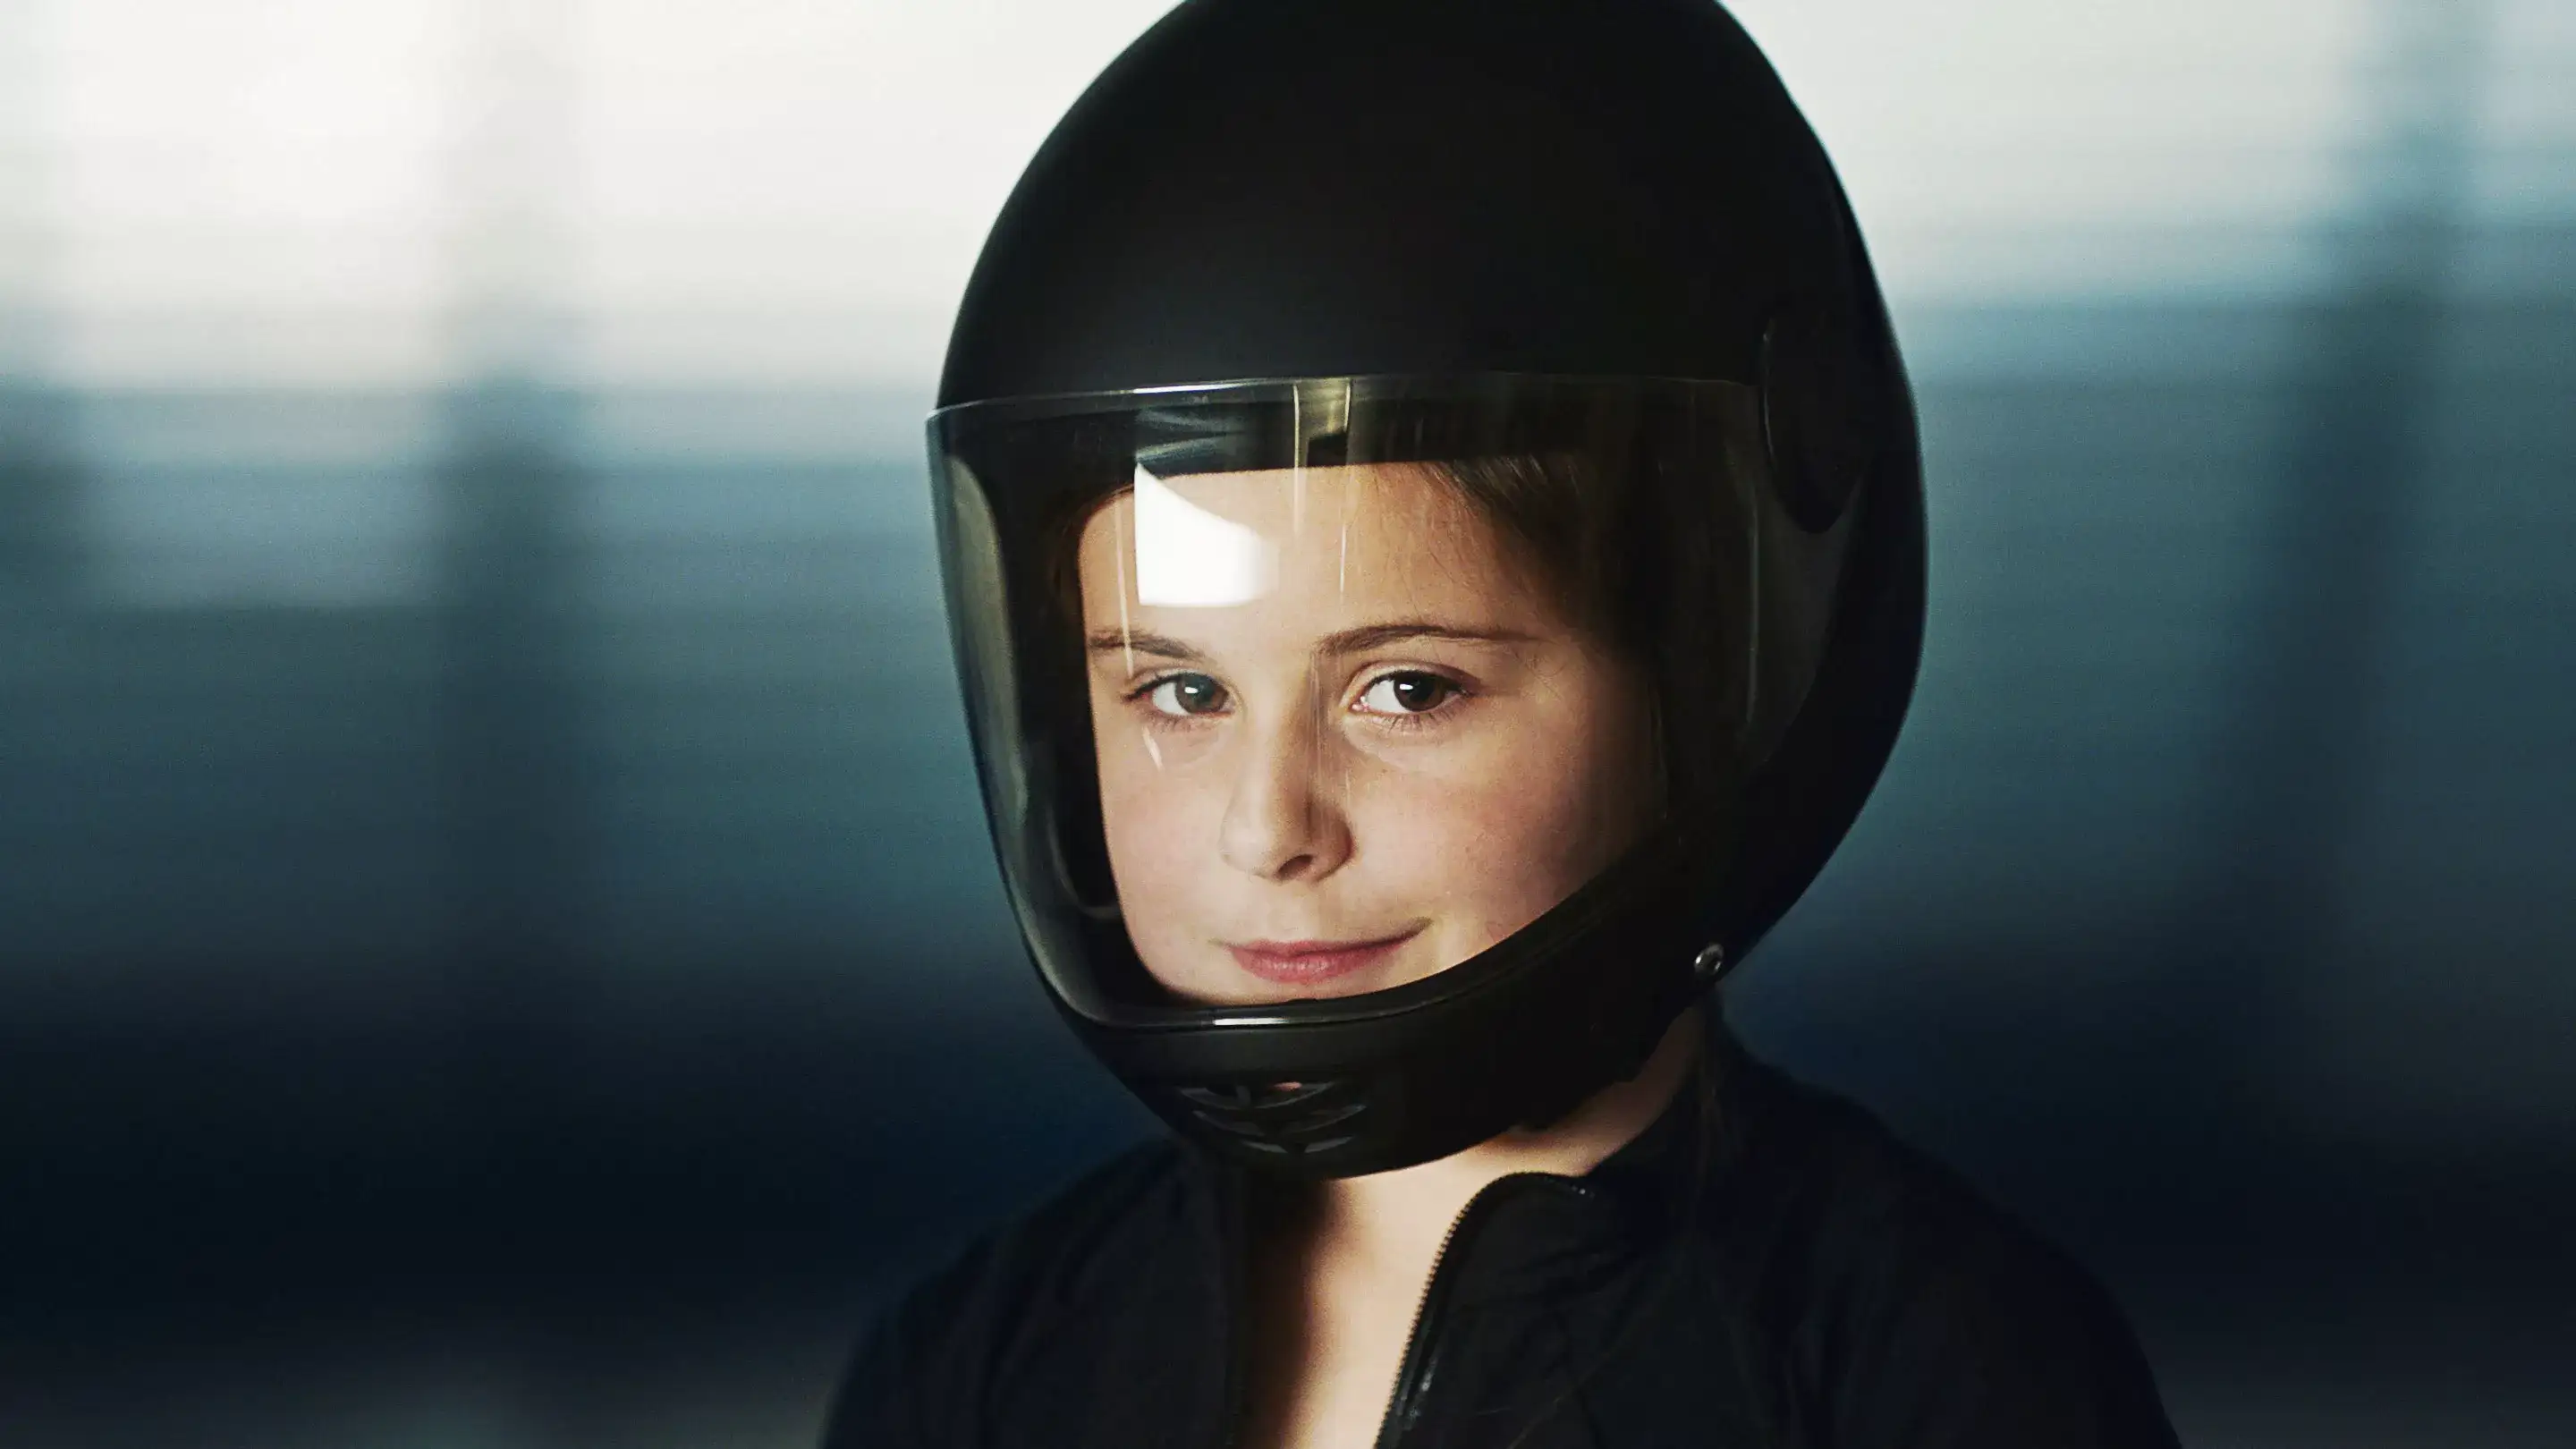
column 1420, row 1342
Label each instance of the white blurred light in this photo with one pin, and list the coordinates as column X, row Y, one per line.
column 783, row 192
column 1190, row 558
column 244, row 192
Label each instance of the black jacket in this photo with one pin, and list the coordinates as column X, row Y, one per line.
column 1766, row 1265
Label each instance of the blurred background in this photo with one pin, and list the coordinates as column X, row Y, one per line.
column 497, row 944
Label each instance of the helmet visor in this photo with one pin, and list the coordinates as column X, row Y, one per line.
column 1297, row 698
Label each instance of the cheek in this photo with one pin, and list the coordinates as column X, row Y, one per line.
column 1498, row 844
column 1512, row 847
column 1158, row 823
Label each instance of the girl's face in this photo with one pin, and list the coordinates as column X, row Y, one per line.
column 1345, row 741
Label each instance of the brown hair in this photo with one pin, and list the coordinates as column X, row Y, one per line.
column 1550, row 509
column 1546, row 509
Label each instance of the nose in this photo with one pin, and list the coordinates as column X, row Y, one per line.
column 1283, row 822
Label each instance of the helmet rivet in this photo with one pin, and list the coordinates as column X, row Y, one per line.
column 1710, row 963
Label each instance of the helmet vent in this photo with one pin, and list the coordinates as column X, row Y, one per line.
column 1282, row 1119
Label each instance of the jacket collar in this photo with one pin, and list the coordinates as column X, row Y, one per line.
column 1549, row 1234
column 1557, row 1234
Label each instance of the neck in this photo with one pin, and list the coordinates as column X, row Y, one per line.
column 1395, row 1221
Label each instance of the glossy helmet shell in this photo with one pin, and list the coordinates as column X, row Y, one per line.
column 1260, row 189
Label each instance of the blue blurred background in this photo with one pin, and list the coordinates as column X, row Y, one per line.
column 497, row 947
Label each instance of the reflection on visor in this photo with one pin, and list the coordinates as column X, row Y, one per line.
column 1189, row 558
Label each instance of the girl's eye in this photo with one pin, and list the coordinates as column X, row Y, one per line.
column 1409, row 692
column 1184, row 695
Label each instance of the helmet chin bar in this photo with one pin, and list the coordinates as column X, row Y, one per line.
column 1517, row 1037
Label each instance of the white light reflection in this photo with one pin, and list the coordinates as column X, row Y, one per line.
column 1189, row 558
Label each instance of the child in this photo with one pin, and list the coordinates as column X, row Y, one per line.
column 1434, row 543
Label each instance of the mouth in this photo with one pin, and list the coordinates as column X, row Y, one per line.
column 1304, row 963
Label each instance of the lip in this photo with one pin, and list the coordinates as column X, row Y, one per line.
column 1303, row 963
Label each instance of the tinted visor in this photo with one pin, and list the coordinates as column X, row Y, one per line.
column 1298, row 698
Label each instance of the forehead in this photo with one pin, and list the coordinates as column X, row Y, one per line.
column 1335, row 540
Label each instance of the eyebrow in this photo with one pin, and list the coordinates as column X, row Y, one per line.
column 1348, row 641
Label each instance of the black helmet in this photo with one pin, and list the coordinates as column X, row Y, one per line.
column 1433, row 532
